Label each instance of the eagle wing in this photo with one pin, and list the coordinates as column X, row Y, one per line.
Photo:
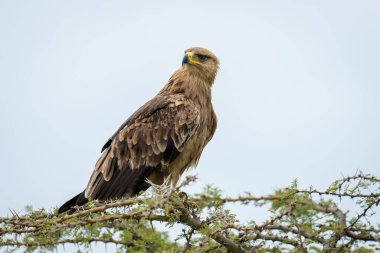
column 148, row 141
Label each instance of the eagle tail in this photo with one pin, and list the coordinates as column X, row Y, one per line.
column 78, row 200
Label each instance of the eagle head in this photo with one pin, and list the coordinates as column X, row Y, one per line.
column 202, row 62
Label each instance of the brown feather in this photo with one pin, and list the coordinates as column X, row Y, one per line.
column 163, row 138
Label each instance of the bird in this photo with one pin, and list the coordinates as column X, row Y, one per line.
column 162, row 139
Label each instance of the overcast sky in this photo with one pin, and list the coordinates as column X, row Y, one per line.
column 297, row 95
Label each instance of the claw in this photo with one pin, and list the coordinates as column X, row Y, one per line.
column 183, row 196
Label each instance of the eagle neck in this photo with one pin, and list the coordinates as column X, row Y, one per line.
column 191, row 85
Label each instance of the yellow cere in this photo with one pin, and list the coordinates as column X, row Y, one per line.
column 191, row 61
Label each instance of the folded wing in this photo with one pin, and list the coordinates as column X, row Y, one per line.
column 146, row 143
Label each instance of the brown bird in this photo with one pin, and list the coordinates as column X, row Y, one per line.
column 160, row 140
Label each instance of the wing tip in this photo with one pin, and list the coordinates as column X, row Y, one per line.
column 78, row 200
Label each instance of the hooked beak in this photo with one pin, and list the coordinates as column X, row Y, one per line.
column 185, row 59
column 188, row 59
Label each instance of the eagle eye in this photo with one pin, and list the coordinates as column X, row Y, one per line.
column 202, row 57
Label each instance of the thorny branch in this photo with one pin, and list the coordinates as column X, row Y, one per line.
column 299, row 220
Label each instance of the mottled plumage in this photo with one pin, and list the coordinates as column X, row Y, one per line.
column 161, row 139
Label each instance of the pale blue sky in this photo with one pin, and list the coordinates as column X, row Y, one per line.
column 297, row 95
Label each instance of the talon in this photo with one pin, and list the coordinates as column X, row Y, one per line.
column 187, row 206
column 193, row 204
column 183, row 196
column 186, row 202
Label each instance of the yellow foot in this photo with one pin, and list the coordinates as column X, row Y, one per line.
column 167, row 210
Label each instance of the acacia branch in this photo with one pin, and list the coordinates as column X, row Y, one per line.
column 298, row 219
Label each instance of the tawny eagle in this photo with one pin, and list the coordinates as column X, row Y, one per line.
column 160, row 140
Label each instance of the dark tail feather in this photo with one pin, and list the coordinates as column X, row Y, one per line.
column 78, row 200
